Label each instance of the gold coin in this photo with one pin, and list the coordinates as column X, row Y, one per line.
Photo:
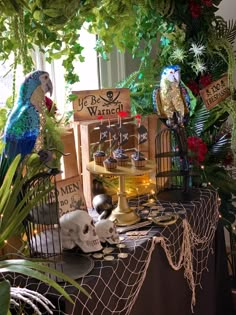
column 121, row 245
column 122, row 255
column 109, row 257
column 98, row 255
column 153, row 213
column 108, row 250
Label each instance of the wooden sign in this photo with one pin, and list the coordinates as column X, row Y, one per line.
column 106, row 102
column 70, row 195
column 215, row 92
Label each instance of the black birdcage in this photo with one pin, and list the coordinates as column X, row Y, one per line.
column 42, row 224
column 173, row 176
column 43, row 230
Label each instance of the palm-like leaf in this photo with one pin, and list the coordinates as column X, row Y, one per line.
column 198, row 121
column 225, row 29
column 13, row 210
column 218, row 150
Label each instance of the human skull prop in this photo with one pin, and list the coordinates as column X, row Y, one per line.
column 107, row 232
column 77, row 228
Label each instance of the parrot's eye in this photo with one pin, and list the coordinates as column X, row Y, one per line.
column 46, row 77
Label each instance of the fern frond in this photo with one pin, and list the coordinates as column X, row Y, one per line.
column 225, row 29
column 165, row 7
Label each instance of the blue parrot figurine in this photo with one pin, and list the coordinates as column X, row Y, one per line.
column 23, row 128
column 171, row 101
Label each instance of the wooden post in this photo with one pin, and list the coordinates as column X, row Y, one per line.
column 69, row 161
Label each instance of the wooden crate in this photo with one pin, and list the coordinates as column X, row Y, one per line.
column 89, row 135
column 79, row 141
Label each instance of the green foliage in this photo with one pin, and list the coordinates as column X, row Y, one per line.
column 12, row 213
column 5, row 297
column 54, row 27
column 141, row 84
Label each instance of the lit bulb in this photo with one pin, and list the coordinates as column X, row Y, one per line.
column 202, row 167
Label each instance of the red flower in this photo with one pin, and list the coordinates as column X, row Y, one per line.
column 122, row 114
column 229, row 159
column 197, row 149
column 195, row 9
column 193, row 86
column 205, row 80
column 207, row 3
column 49, row 104
column 100, row 117
column 138, row 117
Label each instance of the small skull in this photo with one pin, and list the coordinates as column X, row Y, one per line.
column 77, row 228
column 110, row 95
column 107, row 232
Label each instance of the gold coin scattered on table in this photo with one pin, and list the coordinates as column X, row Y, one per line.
column 153, row 213
column 139, row 208
column 109, row 257
column 148, row 204
column 108, row 250
column 145, row 211
column 98, row 255
column 156, row 208
column 122, row 255
column 181, row 212
column 121, row 245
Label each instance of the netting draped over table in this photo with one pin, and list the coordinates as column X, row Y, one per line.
column 114, row 284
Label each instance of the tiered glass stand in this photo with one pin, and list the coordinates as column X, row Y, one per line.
column 123, row 215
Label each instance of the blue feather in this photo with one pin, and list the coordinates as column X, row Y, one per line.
column 23, row 124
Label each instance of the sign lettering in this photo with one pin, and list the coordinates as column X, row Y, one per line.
column 70, row 195
column 106, row 102
column 215, row 92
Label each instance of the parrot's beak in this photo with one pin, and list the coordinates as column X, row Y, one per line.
column 177, row 76
column 49, row 87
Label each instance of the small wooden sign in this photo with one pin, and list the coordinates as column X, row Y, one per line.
column 215, row 92
column 106, row 102
column 70, row 195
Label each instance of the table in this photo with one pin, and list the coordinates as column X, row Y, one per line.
column 156, row 278
column 122, row 214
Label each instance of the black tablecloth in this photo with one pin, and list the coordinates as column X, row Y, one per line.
column 166, row 292
column 144, row 282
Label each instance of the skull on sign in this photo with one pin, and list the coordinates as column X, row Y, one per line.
column 107, row 232
column 77, row 228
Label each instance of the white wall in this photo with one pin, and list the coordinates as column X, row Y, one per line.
column 227, row 9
